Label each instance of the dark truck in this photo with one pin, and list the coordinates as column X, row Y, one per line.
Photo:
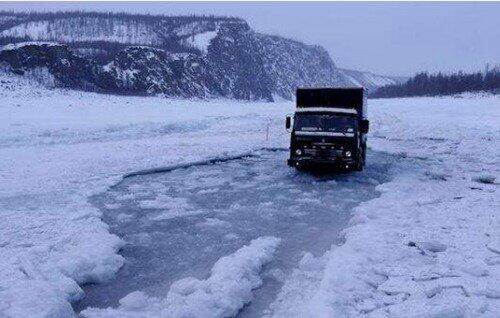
column 329, row 129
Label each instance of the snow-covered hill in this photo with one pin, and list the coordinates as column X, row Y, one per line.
column 176, row 56
column 370, row 80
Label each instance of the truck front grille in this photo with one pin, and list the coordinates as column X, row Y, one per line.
column 325, row 153
column 310, row 152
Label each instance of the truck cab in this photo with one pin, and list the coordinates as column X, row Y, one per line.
column 329, row 129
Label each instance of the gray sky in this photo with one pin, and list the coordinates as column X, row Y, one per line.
column 387, row 38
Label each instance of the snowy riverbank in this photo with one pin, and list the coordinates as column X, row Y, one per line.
column 429, row 244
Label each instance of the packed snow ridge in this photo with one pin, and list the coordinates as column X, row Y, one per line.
column 223, row 294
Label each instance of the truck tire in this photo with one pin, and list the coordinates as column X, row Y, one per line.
column 360, row 163
column 364, row 154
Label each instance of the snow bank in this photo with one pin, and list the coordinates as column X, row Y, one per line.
column 429, row 262
column 50, row 245
column 58, row 147
column 223, row 294
column 426, row 246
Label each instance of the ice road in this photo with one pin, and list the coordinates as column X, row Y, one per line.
column 177, row 224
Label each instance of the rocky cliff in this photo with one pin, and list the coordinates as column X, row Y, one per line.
column 189, row 56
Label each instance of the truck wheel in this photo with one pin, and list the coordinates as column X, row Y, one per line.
column 359, row 164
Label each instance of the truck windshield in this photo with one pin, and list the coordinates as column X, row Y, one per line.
column 330, row 123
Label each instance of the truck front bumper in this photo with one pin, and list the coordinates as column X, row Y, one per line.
column 340, row 162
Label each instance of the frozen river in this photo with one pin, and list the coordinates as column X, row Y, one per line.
column 179, row 223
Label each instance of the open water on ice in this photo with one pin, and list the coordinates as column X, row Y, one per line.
column 179, row 223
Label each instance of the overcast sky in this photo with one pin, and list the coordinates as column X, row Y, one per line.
column 386, row 38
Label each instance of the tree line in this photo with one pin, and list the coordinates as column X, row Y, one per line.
column 83, row 24
column 425, row 84
column 34, row 15
column 9, row 19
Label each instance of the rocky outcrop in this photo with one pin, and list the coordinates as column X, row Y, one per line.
column 178, row 56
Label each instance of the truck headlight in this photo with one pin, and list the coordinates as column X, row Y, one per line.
column 298, row 152
column 348, row 154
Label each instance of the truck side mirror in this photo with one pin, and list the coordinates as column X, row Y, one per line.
column 288, row 123
column 364, row 126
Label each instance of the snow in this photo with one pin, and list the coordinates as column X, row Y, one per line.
column 201, row 41
column 377, row 80
column 223, row 294
column 428, row 246
column 83, row 29
column 354, row 81
column 193, row 28
column 367, row 79
column 422, row 246
column 15, row 46
column 59, row 147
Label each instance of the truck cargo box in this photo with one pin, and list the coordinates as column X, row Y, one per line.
column 352, row 98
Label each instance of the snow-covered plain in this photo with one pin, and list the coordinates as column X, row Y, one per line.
column 429, row 246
